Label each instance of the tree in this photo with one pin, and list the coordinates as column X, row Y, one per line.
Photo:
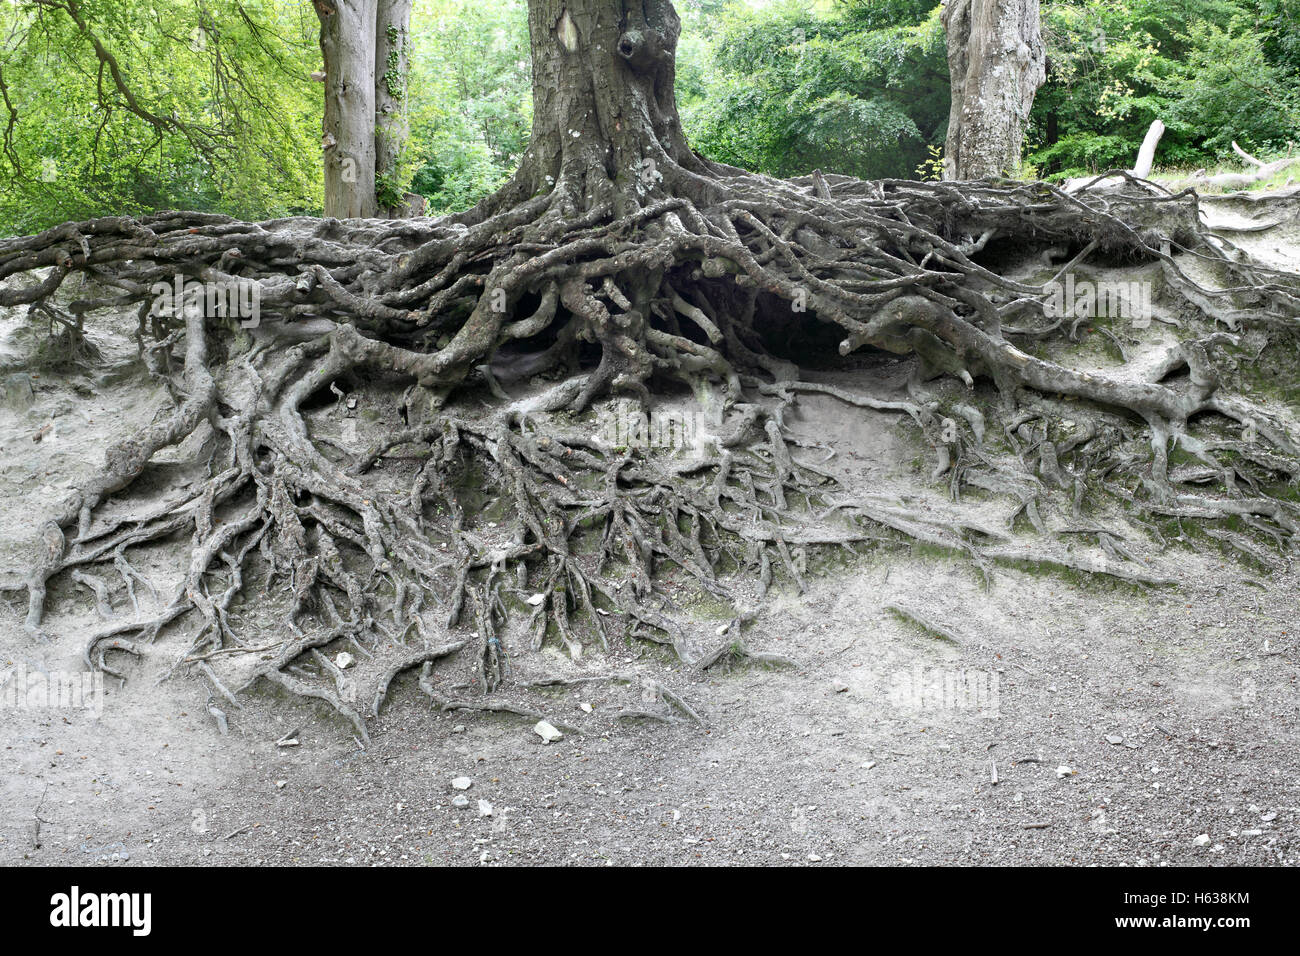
column 996, row 61
column 615, row 265
column 363, row 43
column 128, row 105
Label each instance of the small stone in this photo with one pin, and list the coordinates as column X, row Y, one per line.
column 868, row 765
column 1202, row 840
column 280, row 784
column 343, row 661
column 838, row 686
column 1063, row 771
column 536, row 599
column 460, row 801
column 585, row 707
column 461, row 783
column 546, row 730
column 1114, row 739
column 722, row 629
column 458, row 729
column 1269, row 817
column 814, row 858
column 484, row 808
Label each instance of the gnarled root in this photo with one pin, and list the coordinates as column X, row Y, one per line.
column 385, row 549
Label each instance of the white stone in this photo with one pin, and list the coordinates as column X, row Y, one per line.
column 546, row 730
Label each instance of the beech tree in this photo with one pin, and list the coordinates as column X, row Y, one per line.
column 997, row 62
column 491, row 517
column 363, row 43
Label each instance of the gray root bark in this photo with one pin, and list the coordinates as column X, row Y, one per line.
column 997, row 61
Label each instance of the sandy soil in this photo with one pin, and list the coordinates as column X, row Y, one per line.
column 1073, row 721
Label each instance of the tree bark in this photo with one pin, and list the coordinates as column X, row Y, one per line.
column 997, row 61
column 605, row 123
column 392, row 64
column 347, row 42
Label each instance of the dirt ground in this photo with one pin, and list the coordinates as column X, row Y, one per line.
column 1068, row 720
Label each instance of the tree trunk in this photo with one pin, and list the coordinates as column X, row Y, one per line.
column 347, row 42
column 996, row 59
column 605, row 124
column 392, row 64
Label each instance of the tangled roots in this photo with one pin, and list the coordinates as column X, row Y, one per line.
column 476, row 535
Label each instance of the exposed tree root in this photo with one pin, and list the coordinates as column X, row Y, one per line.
column 386, row 550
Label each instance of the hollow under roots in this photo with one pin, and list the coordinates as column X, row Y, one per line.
column 388, row 554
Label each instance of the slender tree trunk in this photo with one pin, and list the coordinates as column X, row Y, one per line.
column 392, row 65
column 996, row 59
column 347, row 42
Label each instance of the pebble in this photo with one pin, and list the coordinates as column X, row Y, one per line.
column 838, row 686
column 344, row 660
column 484, row 808
column 1063, row 771
column 461, row 783
column 460, row 801
column 585, row 707
column 1114, row 739
column 546, row 730
column 1202, row 840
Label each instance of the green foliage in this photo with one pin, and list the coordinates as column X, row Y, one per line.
column 931, row 170
column 1212, row 70
column 858, row 89
column 471, row 106
column 224, row 117
column 861, row 86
